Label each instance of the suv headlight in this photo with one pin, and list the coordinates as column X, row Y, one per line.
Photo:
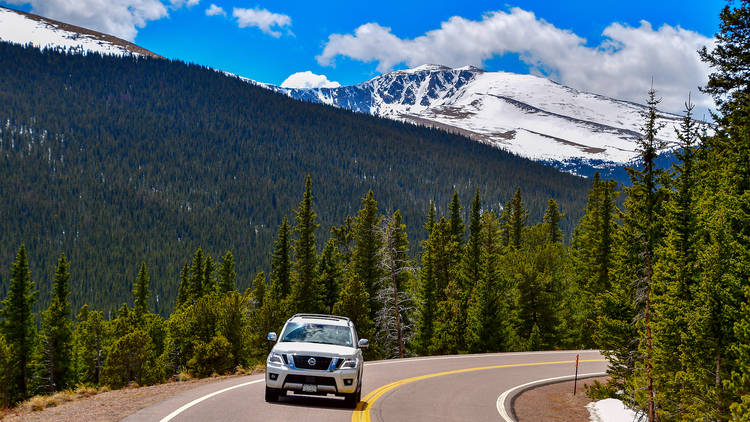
column 275, row 359
column 349, row 363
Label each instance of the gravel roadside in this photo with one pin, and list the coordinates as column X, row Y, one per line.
column 554, row 402
column 109, row 406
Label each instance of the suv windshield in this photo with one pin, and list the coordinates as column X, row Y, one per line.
column 317, row 333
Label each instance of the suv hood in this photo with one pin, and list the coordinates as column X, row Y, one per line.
column 316, row 349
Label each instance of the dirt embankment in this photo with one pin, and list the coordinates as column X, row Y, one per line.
column 554, row 402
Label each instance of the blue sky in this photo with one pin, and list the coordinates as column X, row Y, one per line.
column 269, row 41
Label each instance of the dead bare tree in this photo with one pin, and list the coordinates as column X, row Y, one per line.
column 394, row 327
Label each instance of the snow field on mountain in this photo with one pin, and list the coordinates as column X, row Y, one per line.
column 20, row 29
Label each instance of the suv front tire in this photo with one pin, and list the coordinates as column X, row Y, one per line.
column 272, row 394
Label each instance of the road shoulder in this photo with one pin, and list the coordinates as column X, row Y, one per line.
column 554, row 402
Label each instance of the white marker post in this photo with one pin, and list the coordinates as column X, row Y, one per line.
column 575, row 379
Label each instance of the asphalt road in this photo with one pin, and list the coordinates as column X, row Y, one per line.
column 441, row 388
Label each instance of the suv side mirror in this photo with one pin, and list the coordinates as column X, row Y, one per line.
column 363, row 343
column 272, row 336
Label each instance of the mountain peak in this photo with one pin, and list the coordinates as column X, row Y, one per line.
column 431, row 68
column 528, row 115
column 425, row 68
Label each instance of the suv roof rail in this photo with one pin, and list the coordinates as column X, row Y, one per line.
column 321, row 316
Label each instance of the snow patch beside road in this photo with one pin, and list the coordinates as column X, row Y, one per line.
column 612, row 410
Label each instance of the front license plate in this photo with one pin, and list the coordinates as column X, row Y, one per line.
column 309, row 388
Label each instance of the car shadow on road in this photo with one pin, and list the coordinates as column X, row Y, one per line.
column 297, row 400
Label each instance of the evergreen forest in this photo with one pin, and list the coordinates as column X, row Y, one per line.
column 655, row 274
column 117, row 160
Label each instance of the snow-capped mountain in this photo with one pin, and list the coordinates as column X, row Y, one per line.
column 26, row 28
column 531, row 116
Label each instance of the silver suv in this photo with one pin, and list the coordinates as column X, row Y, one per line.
column 317, row 355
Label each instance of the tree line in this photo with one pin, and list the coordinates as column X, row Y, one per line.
column 492, row 283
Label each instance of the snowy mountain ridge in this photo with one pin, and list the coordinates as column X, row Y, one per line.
column 25, row 28
column 531, row 116
column 528, row 115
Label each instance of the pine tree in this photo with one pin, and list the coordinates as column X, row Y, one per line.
column 5, row 363
column 259, row 289
column 505, row 226
column 196, row 276
column 426, row 294
column 329, row 271
column 443, row 248
column 551, row 220
column 642, row 232
column 591, row 255
column 57, row 332
column 484, row 331
column 184, row 291
column 18, row 325
column 141, row 292
column 306, row 295
column 344, row 238
column 724, row 217
column 232, row 325
column 367, row 244
column 396, row 304
column 538, row 271
column 517, row 219
column 280, row 264
column 447, row 336
column 354, row 303
column 227, row 274
column 457, row 222
column 90, row 351
column 674, row 276
column 470, row 266
column 209, row 276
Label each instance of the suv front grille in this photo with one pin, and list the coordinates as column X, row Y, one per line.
column 303, row 362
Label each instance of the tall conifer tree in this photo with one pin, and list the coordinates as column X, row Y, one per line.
column 196, row 276
column 280, row 263
column 306, row 295
column 57, row 332
column 18, row 325
column 227, row 274
column 552, row 219
column 457, row 222
column 140, row 291
column 517, row 219
column 367, row 244
column 426, row 291
column 330, row 273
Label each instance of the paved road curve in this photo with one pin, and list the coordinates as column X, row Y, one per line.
column 443, row 388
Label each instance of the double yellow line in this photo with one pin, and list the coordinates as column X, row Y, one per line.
column 362, row 411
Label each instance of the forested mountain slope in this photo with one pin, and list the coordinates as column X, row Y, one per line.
column 115, row 160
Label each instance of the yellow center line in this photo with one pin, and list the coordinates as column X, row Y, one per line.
column 362, row 411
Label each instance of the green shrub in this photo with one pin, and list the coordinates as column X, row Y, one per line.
column 214, row 356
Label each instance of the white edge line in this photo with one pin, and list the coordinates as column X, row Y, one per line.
column 171, row 416
column 500, row 404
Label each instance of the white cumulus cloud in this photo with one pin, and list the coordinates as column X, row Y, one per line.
column 261, row 19
column 622, row 66
column 121, row 18
column 308, row 79
column 214, row 10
